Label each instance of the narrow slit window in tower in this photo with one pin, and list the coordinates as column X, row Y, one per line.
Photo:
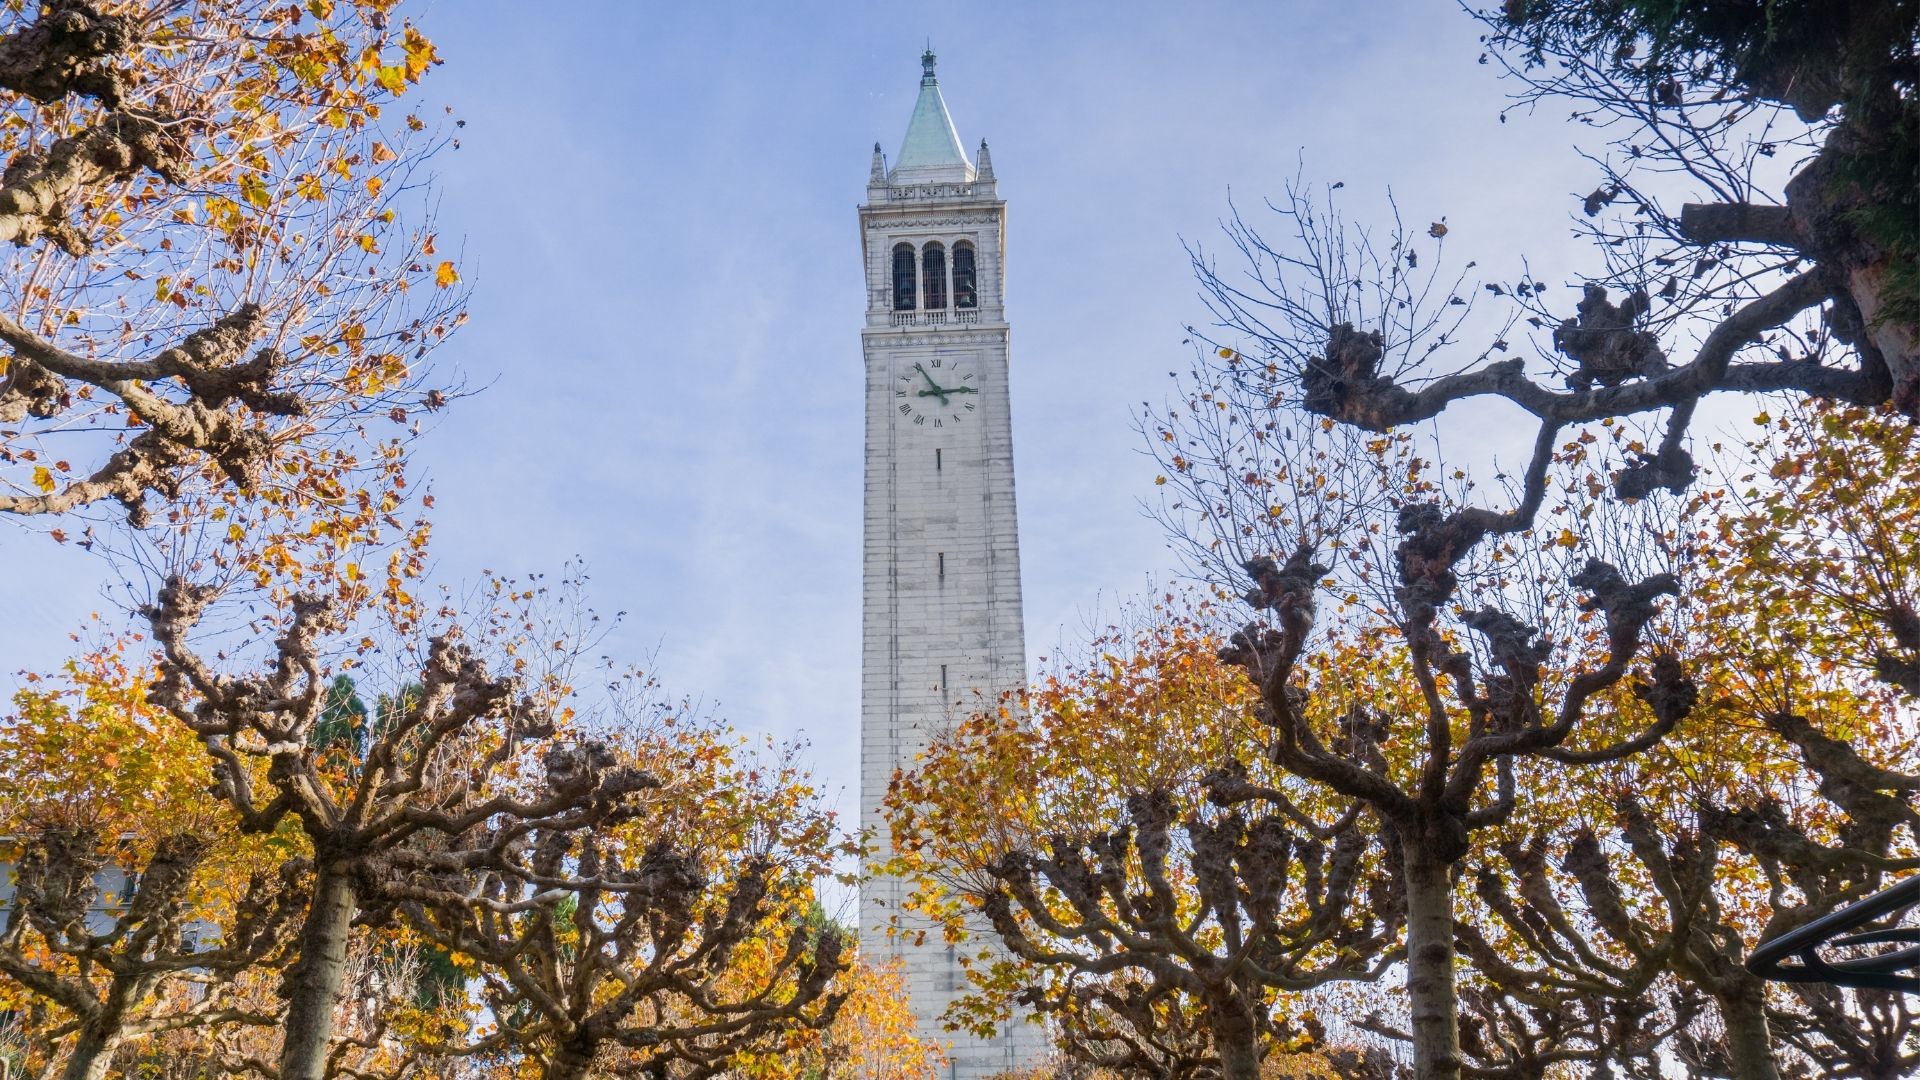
column 933, row 268
column 903, row 292
column 964, row 293
column 936, row 459
column 943, row 566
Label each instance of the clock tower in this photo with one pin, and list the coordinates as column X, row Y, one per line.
column 941, row 613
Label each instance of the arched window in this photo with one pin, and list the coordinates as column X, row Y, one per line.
column 903, row 277
column 964, row 293
column 933, row 269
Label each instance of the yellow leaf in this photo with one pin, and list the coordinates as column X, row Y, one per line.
column 254, row 190
column 445, row 275
column 43, row 478
column 393, row 78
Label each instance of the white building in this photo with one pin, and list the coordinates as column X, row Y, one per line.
column 942, row 577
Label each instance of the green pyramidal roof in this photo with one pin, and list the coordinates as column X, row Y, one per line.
column 931, row 150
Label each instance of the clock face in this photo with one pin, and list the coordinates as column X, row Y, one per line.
column 936, row 392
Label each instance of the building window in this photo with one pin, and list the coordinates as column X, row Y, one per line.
column 903, row 277
column 965, row 295
column 933, row 271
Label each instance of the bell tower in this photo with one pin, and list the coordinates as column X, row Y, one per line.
column 941, row 616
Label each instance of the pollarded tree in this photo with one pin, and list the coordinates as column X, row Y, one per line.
column 1626, row 935
column 134, row 902
column 1098, row 822
column 1813, row 295
column 130, row 965
column 1460, row 655
column 1790, row 794
column 473, row 748
column 673, row 941
column 1657, row 909
column 211, row 290
column 213, row 295
column 1655, row 923
column 1817, row 583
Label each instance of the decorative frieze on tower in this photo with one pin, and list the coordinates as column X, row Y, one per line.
column 942, row 579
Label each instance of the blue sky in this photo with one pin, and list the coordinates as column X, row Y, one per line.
column 656, row 205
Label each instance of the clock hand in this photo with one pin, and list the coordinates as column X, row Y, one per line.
column 934, row 389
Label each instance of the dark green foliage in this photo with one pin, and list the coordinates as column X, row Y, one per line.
column 343, row 720
column 440, row 980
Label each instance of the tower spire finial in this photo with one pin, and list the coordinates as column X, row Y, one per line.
column 926, row 64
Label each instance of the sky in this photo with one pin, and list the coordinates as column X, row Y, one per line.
column 655, row 206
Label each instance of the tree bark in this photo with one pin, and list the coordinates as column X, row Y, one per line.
column 92, row 1052
column 1749, row 1040
column 314, row 982
column 1719, row 223
column 1430, row 961
column 570, row 1061
column 1825, row 207
column 1236, row 1036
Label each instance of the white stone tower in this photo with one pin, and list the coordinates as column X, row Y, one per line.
column 942, row 580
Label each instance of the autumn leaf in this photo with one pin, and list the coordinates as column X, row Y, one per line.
column 392, row 78
column 254, row 190
column 445, row 275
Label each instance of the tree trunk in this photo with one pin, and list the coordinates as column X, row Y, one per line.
column 1236, row 1036
column 1749, row 1042
column 1826, row 206
column 1430, row 963
column 570, row 1061
column 92, row 1052
column 314, row 983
